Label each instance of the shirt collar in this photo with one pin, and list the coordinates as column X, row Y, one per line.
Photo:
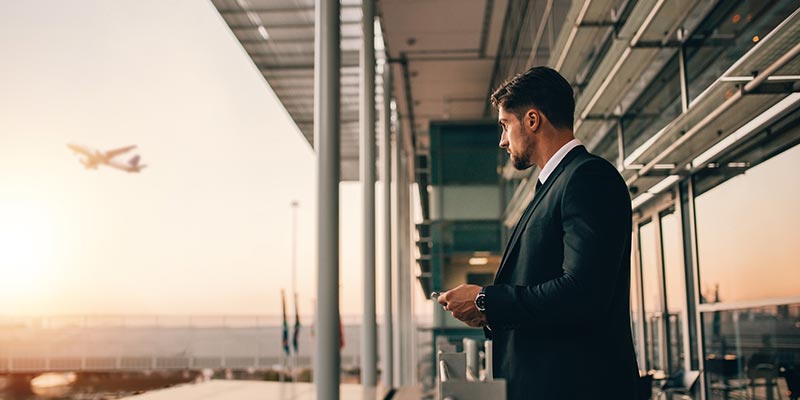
column 553, row 162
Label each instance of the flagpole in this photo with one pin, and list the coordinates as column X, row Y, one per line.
column 284, row 337
column 295, row 204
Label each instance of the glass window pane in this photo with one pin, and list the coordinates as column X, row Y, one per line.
column 652, row 296
column 648, row 252
column 675, row 281
column 636, row 317
column 675, row 275
column 752, row 352
column 656, row 107
column 747, row 233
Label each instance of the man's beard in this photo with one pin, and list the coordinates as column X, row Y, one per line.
column 520, row 162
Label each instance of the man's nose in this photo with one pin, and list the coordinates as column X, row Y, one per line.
column 503, row 141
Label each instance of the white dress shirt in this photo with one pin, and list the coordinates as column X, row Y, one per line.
column 553, row 162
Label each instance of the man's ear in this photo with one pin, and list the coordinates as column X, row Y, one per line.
column 533, row 120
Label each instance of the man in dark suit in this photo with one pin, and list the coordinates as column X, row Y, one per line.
column 559, row 309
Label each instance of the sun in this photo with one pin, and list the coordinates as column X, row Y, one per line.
column 25, row 246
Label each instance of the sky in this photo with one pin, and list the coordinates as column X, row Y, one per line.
column 746, row 238
column 763, row 233
column 206, row 227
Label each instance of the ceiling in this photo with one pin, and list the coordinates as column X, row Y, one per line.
column 442, row 54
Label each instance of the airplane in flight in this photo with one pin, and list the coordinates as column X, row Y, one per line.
column 94, row 158
column 132, row 166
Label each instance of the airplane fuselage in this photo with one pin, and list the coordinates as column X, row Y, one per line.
column 93, row 158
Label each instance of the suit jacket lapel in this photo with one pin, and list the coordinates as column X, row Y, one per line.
column 518, row 226
column 537, row 198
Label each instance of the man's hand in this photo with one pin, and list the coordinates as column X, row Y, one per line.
column 461, row 302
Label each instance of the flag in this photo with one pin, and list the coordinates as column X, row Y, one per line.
column 285, row 325
column 296, row 324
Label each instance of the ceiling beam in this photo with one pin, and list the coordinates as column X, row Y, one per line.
column 277, row 10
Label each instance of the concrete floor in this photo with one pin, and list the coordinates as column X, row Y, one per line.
column 246, row 390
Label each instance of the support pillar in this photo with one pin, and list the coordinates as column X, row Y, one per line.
column 326, row 142
column 369, row 330
column 387, row 374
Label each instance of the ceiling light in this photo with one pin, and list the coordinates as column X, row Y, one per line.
column 253, row 17
column 263, row 32
column 478, row 261
column 664, row 166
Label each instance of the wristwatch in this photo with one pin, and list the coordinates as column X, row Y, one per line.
column 480, row 300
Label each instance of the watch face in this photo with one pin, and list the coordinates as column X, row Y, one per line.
column 480, row 302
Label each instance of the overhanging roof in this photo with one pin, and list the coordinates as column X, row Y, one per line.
column 442, row 51
column 279, row 37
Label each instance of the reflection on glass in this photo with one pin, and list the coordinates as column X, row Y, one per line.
column 656, row 107
column 652, row 297
column 675, row 281
column 751, row 353
column 608, row 147
column 747, row 233
column 727, row 34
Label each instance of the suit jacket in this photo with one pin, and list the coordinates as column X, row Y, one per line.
column 559, row 308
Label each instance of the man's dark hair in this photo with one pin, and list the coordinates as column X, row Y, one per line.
column 539, row 87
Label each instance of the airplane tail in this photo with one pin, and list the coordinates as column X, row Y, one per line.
column 134, row 161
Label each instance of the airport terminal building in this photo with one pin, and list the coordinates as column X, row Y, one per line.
column 695, row 102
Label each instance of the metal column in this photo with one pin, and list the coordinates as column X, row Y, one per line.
column 369, row 330
column 397, row 280
column 402, row 256
column 682, row 71
column 387, row 375
column 695, row 280
column 326, row 141
column 620, row 146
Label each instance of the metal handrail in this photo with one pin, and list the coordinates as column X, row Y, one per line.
column 444, row 371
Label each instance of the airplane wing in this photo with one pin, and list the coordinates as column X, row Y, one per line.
column 113, row 153
column 80, row 150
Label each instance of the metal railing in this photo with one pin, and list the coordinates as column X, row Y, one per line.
column 461, row 376
column 103, row 343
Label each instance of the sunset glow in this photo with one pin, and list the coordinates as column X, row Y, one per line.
column 26, row 245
